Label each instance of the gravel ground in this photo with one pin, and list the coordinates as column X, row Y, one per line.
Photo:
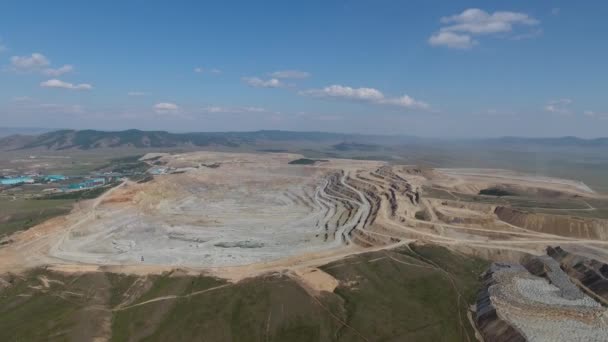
column 558, row 278
column 539, row 290
column 543, row 311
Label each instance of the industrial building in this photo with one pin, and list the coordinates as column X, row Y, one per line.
column 87, row 184
column 55, row 178
column 16, row 180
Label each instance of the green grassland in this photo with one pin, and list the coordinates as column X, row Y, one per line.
column 25, row 206
column 21, row 214
column 419, row 294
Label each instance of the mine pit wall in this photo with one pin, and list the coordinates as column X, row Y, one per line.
column 462, row 220
column 482, row 207
column 577, row 227
column 491, row 326
column 370, row 194
column 590, row 273
column 381, row 193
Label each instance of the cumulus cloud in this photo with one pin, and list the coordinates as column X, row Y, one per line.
column 35, row 61
column 39, row 63
column 260, row 83
column 166, row 108
column 55, row 83
column 293, row 74
column 233, row 110
column 58, row 71
column 560, row 106
column 476, row 21
column 215, row 71
column 452, row 40
column 198, row 70
column 458, row 30
column 368, row 95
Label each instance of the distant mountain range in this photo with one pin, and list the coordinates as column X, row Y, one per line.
column 7, row 131
column 555, row 142
column 93, row 139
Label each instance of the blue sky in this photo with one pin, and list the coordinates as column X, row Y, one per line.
column 428, row 68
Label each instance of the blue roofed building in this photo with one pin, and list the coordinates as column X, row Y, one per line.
column 87, row 184
column 54, row 178
column 16, row 180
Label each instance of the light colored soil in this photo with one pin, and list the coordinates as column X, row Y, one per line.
column 315, row 280
column 478, row 179
column 256, row 213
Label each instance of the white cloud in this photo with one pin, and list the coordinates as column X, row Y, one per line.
column 555, row 11
column 215, row 71
column 30, row 63
column 294, row 74
column 137, row 93
column 459, row 29
column 362, row 94
column 596, row 115
column 260, row 83
column 477, row 21
column 166, row 108
column 233, row 110
column 217, row 109
column 560, row 106
column 368, row 95
column 198, row 70
column 55, row 83
column 39, row 63
column 452, row 40
column 58, row 71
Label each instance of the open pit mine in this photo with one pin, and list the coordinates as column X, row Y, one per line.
column 240, row 215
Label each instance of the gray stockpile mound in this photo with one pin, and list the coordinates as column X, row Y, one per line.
column 491, row 326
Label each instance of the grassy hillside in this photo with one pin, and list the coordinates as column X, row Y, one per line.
column 21, row 214
column 398, row 295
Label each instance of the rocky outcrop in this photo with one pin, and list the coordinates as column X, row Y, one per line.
column 537, row 302
column 590, row 273
column 548, row 268
column 563, row 225
column 489, row 323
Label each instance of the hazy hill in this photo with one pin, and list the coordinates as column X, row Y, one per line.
column 92, row 139
column 550, row 142
column 7, row 131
